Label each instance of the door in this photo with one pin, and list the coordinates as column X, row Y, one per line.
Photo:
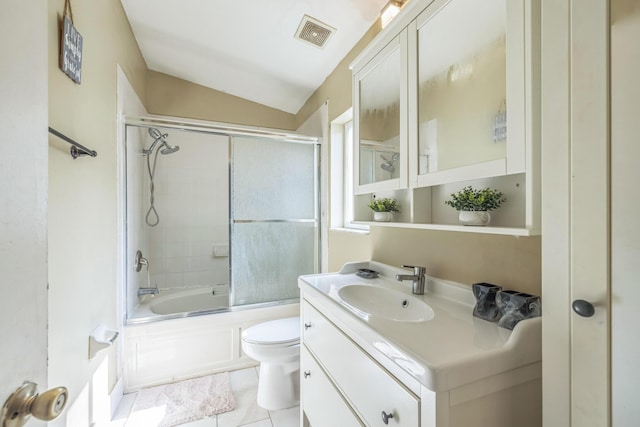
column 625, row 205
column 575, row 213
column 591, row 242
column 274, row 219
column 23, row 196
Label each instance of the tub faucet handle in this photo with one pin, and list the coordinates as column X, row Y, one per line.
column 139, row 261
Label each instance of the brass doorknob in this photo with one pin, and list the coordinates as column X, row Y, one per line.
column 26, row 401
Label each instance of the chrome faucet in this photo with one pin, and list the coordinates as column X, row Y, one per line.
column 417, row 278
column 148, row 291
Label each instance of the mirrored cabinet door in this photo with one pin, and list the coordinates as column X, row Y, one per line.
column 461, row 91
column 380, row 128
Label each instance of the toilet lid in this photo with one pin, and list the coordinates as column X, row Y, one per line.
column 281, row 331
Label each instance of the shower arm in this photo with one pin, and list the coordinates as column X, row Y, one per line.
column 153, row 144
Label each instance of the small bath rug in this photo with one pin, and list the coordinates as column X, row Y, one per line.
column 178, row 403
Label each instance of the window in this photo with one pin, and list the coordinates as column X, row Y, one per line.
column 342, row 174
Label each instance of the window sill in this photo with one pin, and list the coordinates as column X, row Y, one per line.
column 350, row 230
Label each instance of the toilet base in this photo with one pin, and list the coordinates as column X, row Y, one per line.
column 279, row 385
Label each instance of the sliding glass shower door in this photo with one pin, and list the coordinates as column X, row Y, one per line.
column 274, row 218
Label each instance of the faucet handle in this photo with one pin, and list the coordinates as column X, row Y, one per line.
column 417, row 270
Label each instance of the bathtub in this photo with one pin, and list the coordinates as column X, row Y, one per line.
column 188, row 344
column 201, row 299
column 180, row 302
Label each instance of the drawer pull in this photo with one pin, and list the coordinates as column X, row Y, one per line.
column 307, row 374
column 386, row 417
column 307, row 325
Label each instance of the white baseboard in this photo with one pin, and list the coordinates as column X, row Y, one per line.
column 116, row 396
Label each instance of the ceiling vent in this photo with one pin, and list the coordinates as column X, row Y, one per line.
column 313, row 31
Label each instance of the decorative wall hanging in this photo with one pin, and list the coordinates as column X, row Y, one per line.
column 500, row 123
column 70, row 46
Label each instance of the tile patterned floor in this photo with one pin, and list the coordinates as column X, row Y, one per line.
column 244, row 384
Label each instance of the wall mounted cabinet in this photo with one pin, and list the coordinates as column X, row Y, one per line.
column 467, row 114
column 381, row 119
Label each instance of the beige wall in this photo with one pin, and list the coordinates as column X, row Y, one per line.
column 171, row 96
column 514, row 263
column 337, row 86
column 83, row 206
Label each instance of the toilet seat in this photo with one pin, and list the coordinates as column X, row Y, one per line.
column 281, row 332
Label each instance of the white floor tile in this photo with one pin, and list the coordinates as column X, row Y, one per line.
column 206, row 422
column 289, row 417
column 244, row 384
column 261, row 423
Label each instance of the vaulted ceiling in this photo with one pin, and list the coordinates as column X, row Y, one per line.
column 247, row 47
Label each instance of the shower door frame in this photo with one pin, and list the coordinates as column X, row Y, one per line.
column 229, row 130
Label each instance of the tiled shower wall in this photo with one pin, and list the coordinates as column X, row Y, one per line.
column 189, row 246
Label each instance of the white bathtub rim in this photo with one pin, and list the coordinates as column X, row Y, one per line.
column 144, row 314
column 170, row 300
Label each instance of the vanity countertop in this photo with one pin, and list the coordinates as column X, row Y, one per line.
column 452, row 349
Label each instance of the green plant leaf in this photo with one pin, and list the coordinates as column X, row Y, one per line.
column 384, row 205
column 469, row 199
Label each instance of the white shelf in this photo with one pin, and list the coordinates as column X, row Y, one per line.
column 508, row 231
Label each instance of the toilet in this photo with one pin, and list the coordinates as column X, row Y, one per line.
column 276, row 345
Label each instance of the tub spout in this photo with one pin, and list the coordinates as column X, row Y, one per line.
column 148, row 291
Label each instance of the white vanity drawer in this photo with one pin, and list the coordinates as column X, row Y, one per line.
column 323, row 405
column 365, row 384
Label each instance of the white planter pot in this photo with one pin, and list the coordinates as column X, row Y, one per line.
column 474, row 217
column 382, row 216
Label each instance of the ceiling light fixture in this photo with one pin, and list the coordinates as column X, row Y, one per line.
column 390, row 11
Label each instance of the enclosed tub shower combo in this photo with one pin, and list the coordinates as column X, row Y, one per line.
column 220, row 222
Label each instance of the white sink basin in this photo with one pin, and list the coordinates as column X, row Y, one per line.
column 435, row 339
column 385, row 303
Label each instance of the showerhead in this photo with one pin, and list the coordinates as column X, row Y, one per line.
column 388, row 164
column 160, row 137
column 388, row 167
column 168, row 148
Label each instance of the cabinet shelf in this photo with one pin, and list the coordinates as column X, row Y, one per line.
column 508, row 231
column 450, row 127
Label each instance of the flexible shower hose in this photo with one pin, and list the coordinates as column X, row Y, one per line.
column 152, row 212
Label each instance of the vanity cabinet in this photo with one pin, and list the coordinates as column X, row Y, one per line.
column 468, row 110
column 373, row 392
column 319, row 394
column 451, row 371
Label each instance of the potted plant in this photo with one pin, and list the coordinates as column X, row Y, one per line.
column 383, row 208
column 474, row 205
